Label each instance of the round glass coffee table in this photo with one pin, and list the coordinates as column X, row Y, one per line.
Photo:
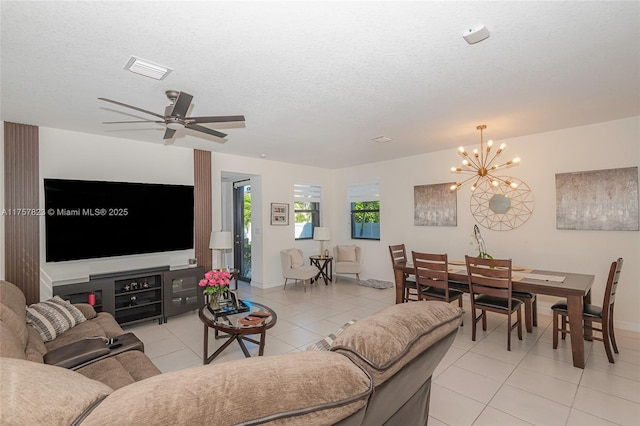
column 237, row 326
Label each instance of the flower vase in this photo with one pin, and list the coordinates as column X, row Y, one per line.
column 214, row 302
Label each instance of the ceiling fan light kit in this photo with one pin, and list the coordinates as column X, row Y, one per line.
column 175, row 118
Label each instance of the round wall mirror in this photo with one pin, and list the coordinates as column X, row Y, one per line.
column 502, row 207
column 499, row 203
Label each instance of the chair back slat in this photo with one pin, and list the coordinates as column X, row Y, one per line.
column 398, row 253
column 431, row 270
column 489, row 276
column 612, row 283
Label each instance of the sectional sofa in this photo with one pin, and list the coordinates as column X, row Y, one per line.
column 376, row 372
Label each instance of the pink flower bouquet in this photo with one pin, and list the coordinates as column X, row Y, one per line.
column 215, row 282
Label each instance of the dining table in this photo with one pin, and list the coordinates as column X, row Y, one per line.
column 576, row 288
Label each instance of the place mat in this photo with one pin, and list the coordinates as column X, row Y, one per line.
column 513, row 267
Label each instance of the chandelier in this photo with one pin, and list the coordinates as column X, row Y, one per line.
column 481, row 166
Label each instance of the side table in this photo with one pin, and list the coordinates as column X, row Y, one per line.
column 234, row 330
column 325, row 266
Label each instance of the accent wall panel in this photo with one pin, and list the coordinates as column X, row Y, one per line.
column 203, row 208
column 21, row 201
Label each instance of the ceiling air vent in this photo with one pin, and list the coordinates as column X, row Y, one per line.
column 146, row 68
column 381, row 139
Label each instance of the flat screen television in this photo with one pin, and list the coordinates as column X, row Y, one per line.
column 93, row 219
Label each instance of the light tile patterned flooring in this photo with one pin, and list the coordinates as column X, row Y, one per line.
column 477, row 383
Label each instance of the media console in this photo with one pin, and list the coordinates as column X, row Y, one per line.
column 139, row 295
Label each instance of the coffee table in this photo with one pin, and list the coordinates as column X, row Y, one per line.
column 234, row 330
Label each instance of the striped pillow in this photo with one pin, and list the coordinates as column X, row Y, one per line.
column 53, row 317
column 325, row 344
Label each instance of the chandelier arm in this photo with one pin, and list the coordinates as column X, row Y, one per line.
column 464, row 182
column 470, row 158
column 499, row 179
column 496, row 155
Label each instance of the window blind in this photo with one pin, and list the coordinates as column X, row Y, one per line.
column 309, row 193
column 364, row 192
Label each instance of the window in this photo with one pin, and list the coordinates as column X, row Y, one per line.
column 365, row 211
column 306, row 207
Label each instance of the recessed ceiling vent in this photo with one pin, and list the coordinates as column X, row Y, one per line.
column 146, row 68
column 381, row 139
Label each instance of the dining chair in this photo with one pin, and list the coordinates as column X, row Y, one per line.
column 409, row 286
column 490, row 288
column 593, row 313
column 432, row 278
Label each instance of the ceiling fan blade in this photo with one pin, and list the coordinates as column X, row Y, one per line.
column 205, row 130
column 182, row 105
column 136, row 121
column 132, row 107
column 218, row 119
column 168, row 134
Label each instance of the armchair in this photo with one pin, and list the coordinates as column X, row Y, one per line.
column 293, row 267
column 347, row 260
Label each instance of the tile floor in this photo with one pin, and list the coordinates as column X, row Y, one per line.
column 477, row 383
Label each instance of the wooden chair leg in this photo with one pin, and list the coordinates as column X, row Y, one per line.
column 564, row 327
column 519, row 324
column 304, row 285
column 474, row 321
column 484, row 320
column 285, row 284
column 534, row 311
column 528, row 315
column 612, row 332
column 358, row 277
column 509, row 332
column 607, row 343
column 555, row 330
column 460, row 305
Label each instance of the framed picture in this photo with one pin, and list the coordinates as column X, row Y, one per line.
column 279, row 214
column 434, row 205
column 601, row 200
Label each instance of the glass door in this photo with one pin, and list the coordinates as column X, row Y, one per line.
column 242, row 228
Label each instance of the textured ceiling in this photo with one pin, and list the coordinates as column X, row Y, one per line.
column 318, row 80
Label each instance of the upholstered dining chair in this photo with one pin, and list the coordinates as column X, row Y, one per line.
column 347, row 260
column 409, row 287
column 490, row 290
column 432, row 278
column 293, row 267
column 591, row 313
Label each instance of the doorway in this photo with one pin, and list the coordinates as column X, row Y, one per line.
column 242, row 228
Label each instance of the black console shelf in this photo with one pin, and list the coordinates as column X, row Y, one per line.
column 140, row 295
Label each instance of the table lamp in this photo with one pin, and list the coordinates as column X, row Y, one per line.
column 321, row 234
column 220, row 241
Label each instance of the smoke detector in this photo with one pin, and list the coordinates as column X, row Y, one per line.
column 476, row 34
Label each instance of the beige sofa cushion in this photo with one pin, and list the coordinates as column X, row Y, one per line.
column 40, row 394
column 121, row 370
column 384, row 342
column 53, row 317
column 248, row 391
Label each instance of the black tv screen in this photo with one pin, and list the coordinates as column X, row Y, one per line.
column 93, row 219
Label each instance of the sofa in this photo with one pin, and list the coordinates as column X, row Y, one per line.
column 377, row 371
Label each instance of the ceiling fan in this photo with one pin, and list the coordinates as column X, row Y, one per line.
column 175, row 116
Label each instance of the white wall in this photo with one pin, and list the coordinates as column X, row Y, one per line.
column 537, row 243
column 72, row 155
column 273, row 183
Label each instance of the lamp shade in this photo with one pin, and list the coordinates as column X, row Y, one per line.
column 221, row 240
column 321, row 234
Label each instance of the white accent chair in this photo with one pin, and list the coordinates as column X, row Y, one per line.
column 293, row 267
column 347, row 260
